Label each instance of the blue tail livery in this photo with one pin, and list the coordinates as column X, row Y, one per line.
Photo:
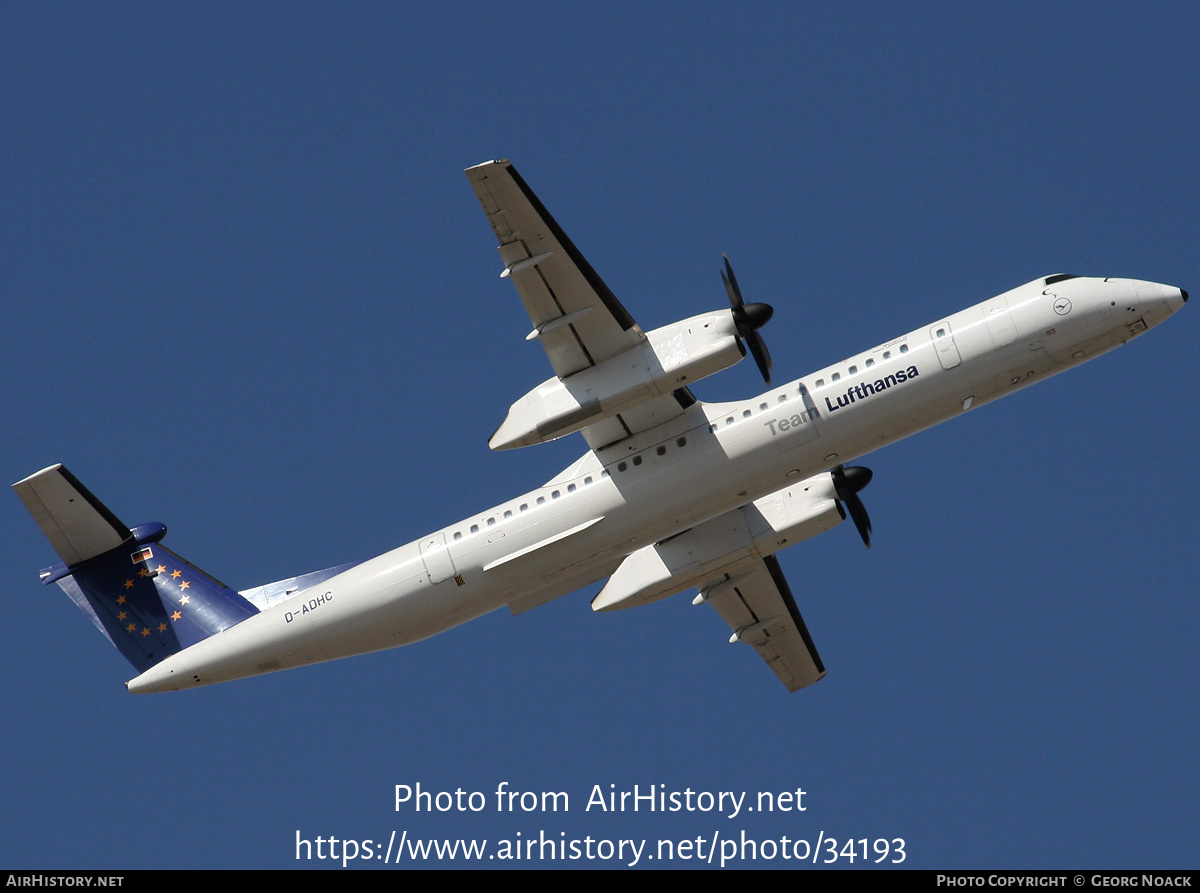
column 148, row 601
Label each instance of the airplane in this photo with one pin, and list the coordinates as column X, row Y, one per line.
column 673, row 494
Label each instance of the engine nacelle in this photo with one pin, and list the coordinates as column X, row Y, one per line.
column 755, row 530
column 670, row 358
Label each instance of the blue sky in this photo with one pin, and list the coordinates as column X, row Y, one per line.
column 251, row 295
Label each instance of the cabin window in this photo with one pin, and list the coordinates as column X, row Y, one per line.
column 820, row 383
column 541, row 500
column 458, row 534
column 474, row 528
column 729, row 421
column 570, row 488
column 746, row 414
column 508, row 513
column 870, row 363
column 587, row 481
column 853, row 369
column 491, row 521
column 941, row 333
column 887, row 354
column 681, row 442
column 555, row 494
column 837, row 376
column 783, row 398
column 762, row 407
column 621, row 466
column 903, row 348
column 524, row 507
column 637, row 460
column 661, row 450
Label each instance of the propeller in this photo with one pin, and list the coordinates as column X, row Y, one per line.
column 749, row 318
column 847, row 482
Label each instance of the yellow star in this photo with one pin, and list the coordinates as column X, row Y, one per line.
column 129, row 584
column 122, row 615
column 131, row 627
column 184, row 585
column 185, row 600
column 143, row 572
column 175, row 574
column 176, row 615
column 161, row 569
column 162, row 627
column 145, row 631
column 121, row 599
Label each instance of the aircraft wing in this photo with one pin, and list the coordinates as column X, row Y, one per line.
column 758, row 606
column 575, row 316
column 578, row 319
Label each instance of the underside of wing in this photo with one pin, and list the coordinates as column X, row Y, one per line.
column 600, row 355
column 577, row 318
column 757, row 604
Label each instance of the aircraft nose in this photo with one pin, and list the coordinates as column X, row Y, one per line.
column 1176, row 297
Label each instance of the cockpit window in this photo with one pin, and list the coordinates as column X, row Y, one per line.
column 1059, row 277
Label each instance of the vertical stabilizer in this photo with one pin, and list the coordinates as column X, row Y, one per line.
column 148, row 601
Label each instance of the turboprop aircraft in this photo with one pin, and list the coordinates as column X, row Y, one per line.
column 673, row 494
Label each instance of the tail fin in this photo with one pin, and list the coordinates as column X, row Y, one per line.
column 148, row 602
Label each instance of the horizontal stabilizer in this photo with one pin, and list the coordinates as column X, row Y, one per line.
column 78, row 525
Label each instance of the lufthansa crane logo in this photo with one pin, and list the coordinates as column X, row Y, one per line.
column 1062, row 306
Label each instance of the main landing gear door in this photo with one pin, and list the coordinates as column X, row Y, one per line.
column 436, row 556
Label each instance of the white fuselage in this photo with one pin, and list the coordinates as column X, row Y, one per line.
column 577, row 529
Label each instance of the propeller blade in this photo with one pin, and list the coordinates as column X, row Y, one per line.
column 847, row 482
column 749, row 318
column 862, row 521
column 762, row 356
column 731, row 286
